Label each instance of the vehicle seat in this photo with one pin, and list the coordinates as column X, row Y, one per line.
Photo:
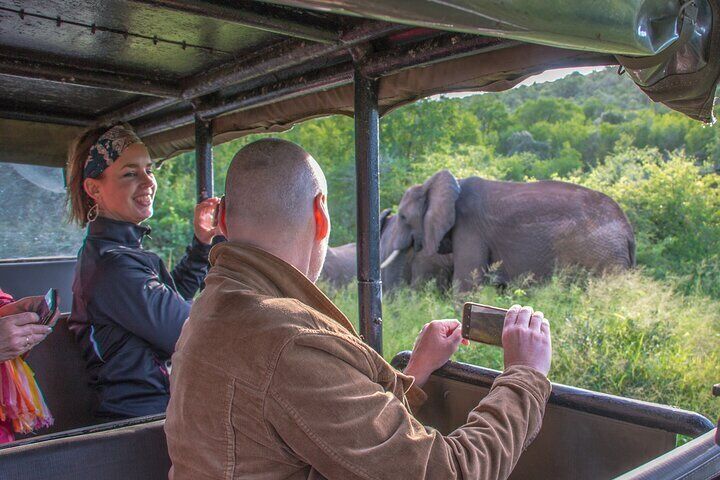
column 125, row 450
column 35, row 276
column 60, row 373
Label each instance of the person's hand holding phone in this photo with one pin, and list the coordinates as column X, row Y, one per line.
column 435, row 344
column 526, row 339
column 204, row 223
column 20, row 329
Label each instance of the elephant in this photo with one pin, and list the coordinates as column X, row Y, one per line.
column 522, row 228
column 402, row 268
column 339, row 268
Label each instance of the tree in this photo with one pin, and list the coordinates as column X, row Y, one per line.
column 550, row 110
column 521, row 142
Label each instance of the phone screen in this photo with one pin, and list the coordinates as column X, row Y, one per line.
column 49, row 307
column 483, row 323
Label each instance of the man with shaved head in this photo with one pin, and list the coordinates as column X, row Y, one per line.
column 275, row 193
column 270, row 380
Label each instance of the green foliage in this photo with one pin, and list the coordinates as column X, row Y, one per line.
column 428, row 126
column 174, row 206
column 674, row 209
column 550, row 110
column 624, row 334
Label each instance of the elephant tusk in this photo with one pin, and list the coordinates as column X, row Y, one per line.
column 390, row 259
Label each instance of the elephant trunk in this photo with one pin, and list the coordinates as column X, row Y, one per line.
column 417, row 244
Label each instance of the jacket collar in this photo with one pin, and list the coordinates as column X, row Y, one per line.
column 126, row 233
column 269, row 275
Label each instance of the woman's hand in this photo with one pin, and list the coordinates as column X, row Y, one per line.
column 19, row 330
column 205, row 224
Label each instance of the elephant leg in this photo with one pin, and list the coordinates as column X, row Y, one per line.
column 471, row 257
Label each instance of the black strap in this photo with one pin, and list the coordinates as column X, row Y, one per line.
column 687, row 17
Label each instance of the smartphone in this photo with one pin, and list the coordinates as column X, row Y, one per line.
column 49, row 307
column 216, row 212
column 483, row 323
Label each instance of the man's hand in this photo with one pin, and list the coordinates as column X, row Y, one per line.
column 19, row 330
column 434, row 346
column 526, row 339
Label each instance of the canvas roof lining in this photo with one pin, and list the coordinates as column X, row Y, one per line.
column 490, row 71
column 487, row 71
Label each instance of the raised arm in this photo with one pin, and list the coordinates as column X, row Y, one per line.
column 327, row 406
column 190, row 271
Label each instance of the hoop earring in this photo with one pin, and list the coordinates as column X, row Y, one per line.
column 92, row 214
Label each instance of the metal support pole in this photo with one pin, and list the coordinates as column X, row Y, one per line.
column 203, row 158
column 367, row 139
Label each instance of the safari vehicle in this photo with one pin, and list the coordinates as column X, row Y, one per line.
column 191, row 74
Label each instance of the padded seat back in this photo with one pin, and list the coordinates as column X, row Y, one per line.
column 61, row 375
column 35, row 276
column 113, row 452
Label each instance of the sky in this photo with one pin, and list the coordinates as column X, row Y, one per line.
column 547, row 76
column 557, row 74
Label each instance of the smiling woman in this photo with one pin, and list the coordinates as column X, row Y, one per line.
column 127, row 190
column 128, row 309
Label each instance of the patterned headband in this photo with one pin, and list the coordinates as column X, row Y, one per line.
column 108, row 148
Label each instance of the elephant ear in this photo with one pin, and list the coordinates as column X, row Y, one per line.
column 442, row 191
column 383, row 218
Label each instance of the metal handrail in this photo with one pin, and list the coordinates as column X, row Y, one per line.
column 638, row 412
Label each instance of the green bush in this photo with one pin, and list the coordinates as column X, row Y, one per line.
column 172, row 221
column 674, row 209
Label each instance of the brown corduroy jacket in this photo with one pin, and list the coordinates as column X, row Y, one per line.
column 271, row 381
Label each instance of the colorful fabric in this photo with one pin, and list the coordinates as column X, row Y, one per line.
column 108, row 148
column 6, row 432
column 22, row 405
column 5, row 298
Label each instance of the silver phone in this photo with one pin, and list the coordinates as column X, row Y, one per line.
column 483, row 323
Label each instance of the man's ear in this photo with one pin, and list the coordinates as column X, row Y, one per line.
column 222, row 220
column 322, row 217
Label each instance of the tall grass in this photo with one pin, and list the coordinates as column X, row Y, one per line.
column 626, row 334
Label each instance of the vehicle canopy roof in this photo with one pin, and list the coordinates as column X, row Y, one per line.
column 263, row 66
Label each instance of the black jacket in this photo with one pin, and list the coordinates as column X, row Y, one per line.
column 127, row 314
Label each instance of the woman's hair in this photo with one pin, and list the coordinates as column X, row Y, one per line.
column 79, row 201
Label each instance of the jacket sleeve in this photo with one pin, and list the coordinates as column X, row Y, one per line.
column 132, row 295
column 325, row 407
column 190, row 271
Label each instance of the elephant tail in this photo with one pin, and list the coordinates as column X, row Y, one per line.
column 631, row 251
